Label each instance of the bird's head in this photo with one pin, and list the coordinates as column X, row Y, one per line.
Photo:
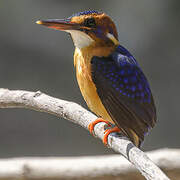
column 89, row 28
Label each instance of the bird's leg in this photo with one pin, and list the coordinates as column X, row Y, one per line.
column 98, row 120
column 107, row 132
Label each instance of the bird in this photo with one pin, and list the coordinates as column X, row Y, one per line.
column 110, row 79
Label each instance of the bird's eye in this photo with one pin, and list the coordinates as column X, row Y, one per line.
column 90, row 22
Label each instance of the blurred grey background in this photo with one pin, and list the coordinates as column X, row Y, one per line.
column 37, row 58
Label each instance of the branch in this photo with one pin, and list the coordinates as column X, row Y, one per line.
column 94, row 167
column 71, row 111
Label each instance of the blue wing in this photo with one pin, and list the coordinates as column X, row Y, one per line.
column 124, row 92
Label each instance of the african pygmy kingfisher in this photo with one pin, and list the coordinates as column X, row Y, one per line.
column 109, row 77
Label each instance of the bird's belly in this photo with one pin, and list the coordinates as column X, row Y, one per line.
column 89, row 93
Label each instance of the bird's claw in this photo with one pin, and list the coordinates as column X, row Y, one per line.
column 98, row 120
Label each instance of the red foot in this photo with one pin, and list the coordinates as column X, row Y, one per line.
column 98, row 120
column 107, row 132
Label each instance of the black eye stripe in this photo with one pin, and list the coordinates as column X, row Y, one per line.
column 90, row 22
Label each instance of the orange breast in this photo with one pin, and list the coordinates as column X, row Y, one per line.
column 86, row 85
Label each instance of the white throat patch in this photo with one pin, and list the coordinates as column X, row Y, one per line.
column 80, row 39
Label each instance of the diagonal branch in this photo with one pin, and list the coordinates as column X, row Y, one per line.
column 71, row 111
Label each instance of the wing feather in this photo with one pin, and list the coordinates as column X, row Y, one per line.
column 125, row 93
